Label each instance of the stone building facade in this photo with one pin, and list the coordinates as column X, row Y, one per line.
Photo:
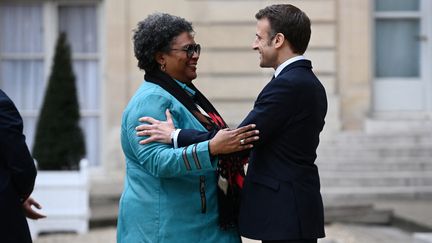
column 347, row 49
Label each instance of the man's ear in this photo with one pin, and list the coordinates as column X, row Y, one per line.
column 279, row 40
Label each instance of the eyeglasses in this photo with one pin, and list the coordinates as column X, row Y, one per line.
column 190, row 49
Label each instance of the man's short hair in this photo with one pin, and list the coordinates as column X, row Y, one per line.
column 289, row 20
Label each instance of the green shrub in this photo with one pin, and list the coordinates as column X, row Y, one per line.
column 59, row 142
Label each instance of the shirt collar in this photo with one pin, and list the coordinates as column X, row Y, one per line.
column 286, row 63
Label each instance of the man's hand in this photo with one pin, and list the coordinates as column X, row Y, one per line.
column 28, row 210
column 158, row 131
column 229, row 141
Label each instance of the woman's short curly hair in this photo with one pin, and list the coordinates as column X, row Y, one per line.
column 154, row 34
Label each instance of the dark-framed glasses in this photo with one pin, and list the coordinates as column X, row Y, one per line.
column 190, row 49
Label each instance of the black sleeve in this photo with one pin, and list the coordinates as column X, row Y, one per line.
column 272, row 109
column 14, row 154
column 187, row 137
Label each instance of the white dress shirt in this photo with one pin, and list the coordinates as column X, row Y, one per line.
column 286, row 63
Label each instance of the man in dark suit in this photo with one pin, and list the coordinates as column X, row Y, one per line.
column 17, row 176
column 281, row 199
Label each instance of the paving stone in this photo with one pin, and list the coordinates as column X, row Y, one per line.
column 422, row 237
column 336, row 233
column 105, row 235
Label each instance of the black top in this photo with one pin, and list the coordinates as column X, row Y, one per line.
column 17, row 174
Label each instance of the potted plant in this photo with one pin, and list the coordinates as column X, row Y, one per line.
column 62, row 181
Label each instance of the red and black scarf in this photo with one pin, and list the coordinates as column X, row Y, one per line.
column 230, row 167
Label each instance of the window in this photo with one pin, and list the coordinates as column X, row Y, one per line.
column 26, row 57
column 397, row 29
column 403, row 55
column 22, row 61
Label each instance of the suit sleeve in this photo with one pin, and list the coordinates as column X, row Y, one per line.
column 273, row 107
column 14, row 153
column 162, row 160
column 272, row 110
column 190, row 136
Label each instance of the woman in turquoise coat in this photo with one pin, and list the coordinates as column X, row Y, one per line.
column 170, row 194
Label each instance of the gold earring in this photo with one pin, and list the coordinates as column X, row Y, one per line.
column 163, row 67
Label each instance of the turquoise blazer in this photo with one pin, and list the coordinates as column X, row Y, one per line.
column 170, row 195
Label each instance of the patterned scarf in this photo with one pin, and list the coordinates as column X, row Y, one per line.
column 230, row 167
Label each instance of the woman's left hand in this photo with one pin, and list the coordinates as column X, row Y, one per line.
column 157, row 131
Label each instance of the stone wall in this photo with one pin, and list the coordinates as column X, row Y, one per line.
column 228, row 69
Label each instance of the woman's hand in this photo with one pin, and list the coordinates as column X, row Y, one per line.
column 158, row 131
column 229, row 141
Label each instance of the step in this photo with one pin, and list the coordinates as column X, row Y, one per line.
column 373, row 146
column 363, row 138
column 422, row 237
column 104, row 200
column 104, row 211
column 364, row 233
column 374, row 166
column 375, row 192
column 322, row 160
column 376, row 174
column 370, row 182
column 394, row 151
column 376, row 178
column 372, row 159
column 358, row 213
column 378, row 140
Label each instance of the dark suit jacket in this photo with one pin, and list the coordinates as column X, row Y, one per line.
column 281, row 197
column 17, row 174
